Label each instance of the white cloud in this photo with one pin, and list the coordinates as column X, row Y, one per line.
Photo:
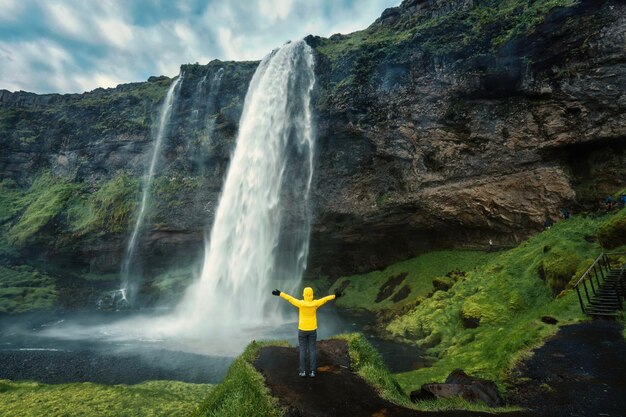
column 275, row 9
column 63, row 19
column 101, row 43
column 11, row 10
column 115, row 32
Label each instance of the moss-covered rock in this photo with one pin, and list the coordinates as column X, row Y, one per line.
column 559, row 268
column 44, row 201
column 612, row 233
column 23, row 288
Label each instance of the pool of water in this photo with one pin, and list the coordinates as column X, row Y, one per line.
column 114, row 347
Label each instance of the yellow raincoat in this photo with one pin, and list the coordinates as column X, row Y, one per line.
column 307, row 319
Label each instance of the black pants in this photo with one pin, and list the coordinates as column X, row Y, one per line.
column 306, row 340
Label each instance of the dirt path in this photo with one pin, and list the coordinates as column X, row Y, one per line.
column 336, row 391
column 581, row 371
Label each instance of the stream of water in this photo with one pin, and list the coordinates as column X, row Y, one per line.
column 129, row 278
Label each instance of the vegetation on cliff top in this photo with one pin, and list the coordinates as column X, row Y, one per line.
column 487, row 25
column 361, row 58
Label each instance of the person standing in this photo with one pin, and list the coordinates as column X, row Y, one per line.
column 307, row 325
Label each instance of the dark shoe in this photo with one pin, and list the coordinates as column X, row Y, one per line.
column 302, row 374
column 312, row 374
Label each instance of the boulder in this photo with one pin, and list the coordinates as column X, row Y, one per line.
column 459, row 384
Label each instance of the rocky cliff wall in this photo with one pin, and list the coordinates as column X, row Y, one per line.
column 445, row 123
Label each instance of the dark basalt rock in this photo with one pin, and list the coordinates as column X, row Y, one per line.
column 459, row 384
column 470, row 322
column 549, row 320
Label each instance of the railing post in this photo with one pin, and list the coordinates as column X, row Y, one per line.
column 582, row 305
column 591, row 282
column 605, row 262
column 586, row 292
column 596, row 274
column 602, row 273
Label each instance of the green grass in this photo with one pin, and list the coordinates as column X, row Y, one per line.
column 154, row 398
column 175, row 281
column 612, row 233
column 23, row 289
column 107, row 210
column 363, row 289
column 508, row 297
column 44, row 201
column 367, row 362
column 451, row 404
column 484, row 27
column 10, row 200
column 243, row 391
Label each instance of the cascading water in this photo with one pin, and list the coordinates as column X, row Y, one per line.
column 260, row 235
column 215, row 85
column 129, row 279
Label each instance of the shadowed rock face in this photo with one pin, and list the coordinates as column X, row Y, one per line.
column 422, row 141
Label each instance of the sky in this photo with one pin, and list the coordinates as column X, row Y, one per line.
column 72, row 46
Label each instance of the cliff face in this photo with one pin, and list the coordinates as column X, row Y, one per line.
column 445, row 123
column 474, row 125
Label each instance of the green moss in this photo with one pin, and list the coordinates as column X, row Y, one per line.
column 23, row 288
column 243, row 391
column 488, row 24
column 175, row 281
column 10, row 200
column 559, row 268
column 107, row 210
column 362, row 290
column 452, row 404
column 514, row 17
column 44, row 201
column 509, row 297
column 612, row 233
column 171, row 190
column 154, row 398
column 367, row 362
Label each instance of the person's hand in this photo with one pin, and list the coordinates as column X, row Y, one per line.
column 338, row 294
column 276, row 292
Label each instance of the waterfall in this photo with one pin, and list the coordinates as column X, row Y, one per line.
column 216, row 83
column 260, row 234
column 129, row 279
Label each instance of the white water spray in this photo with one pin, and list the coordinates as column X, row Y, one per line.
column 256, row 241
column 129, row 282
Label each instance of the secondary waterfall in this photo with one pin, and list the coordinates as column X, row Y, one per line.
column 129, row 279
column 260, row 234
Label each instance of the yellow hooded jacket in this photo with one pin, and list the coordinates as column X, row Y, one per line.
column 307, row 307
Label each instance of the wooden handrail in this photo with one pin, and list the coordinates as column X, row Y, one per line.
column 602, row 258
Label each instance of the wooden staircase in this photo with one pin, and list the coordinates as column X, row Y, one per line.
column 602, row 288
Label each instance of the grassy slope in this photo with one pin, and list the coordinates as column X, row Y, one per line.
column 154, row 398
column 243, row 391
column 362, row 289
column 509, row 297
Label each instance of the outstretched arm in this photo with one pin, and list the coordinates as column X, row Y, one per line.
column 324, row 300
column 291, row 299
